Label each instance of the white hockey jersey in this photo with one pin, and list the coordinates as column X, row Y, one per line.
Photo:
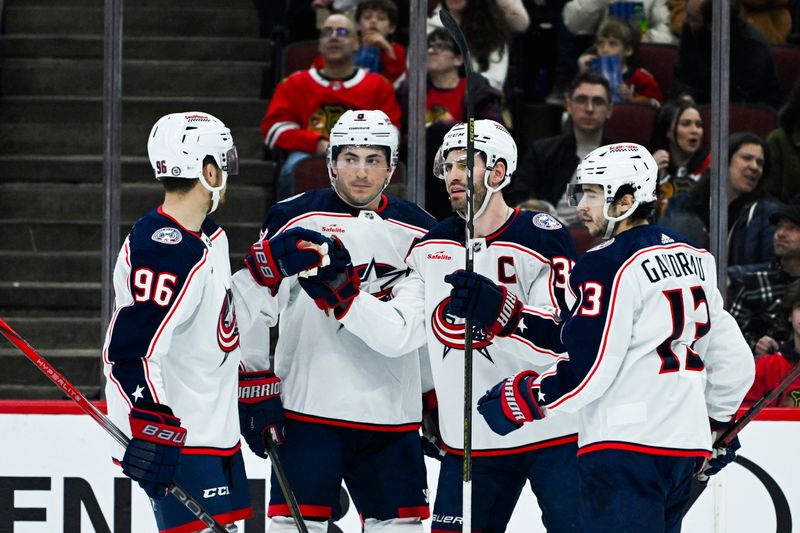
column 173, row 338
column 329, row 375
column 531, row 255
column 652, row 353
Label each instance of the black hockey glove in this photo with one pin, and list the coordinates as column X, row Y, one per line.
column 334, row 287
column 269, row 261
column 153, row 454
column 431, row 436
column 721, row 456
column 512, row 402
column 260, row 409
column 479, row 300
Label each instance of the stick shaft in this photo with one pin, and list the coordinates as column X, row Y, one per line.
column 89, row 408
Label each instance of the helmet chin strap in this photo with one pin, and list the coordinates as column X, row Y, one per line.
column 612, row 221
column 214, row 190
column 489, row 192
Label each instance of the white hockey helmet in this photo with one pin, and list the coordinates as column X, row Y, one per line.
column 613, row 166
column 492, row 140
column 363, row 127
column 179, row 142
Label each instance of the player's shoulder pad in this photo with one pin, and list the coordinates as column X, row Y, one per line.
column 540, row 232
column 450, row 229
column 408, row 213
column 318, row 200
column 159, row 243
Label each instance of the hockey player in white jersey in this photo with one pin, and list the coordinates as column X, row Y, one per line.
column 352, row 413
column 655, row 364
column 530, row 255
column 171, row 351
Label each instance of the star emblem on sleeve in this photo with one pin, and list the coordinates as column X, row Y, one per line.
column 522, row 327
column 541, row 395
column 137, row 394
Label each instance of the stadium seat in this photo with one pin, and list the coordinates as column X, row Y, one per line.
column 297, row 56
column 787, row 61
column 659, row 60
column 756, row 118
column 312, row 173
column 631, row 123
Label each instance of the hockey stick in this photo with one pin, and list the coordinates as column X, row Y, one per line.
column 286, row 489
column 725, row 439
column 87, row 407
column 455, row 32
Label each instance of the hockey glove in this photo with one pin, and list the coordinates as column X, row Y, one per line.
column 431, row 435
column 336, row 286
column 154, row 451
column 260, row 409
column 479, row 300
column 511, row 402
column 721, row 456
column 269, row 261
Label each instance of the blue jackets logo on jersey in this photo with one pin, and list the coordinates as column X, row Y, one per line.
column 379, row 278
column 227, row 330
column 449, row 330
column 545, row 221
column 167, row 236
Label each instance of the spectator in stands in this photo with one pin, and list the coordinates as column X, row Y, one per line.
column 750, row 230
column 756, row 305
column 779, row 359
column 753, row 76
column 618, row 39
column 487, row 31
column 584, row 17
column 770, row 17
column 549, row 164
column 677, row 146
column 377, row 21
column 446, row 105
column 306, row 104
column 782, row 179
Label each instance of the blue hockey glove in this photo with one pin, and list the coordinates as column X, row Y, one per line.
column 269, row 261
column 511, row 402
column 431, row 435
column 153, row 454
column 721, row 456
column 480, row 300
column 335, row 286
column 260, row 409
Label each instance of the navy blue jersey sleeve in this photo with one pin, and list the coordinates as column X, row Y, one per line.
column 151, row 282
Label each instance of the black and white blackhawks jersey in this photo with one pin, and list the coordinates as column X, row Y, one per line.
column 329, row 375
column 652, row 352
column 531, row 255
column 173, row 338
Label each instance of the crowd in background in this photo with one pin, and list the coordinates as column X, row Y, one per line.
column 555, row 73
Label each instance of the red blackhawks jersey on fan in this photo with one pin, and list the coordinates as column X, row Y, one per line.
column 652, row 353
column 306, row 105
column 531, row 255
column 329, row 375
column 173, row 338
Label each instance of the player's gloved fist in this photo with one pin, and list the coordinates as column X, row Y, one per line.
column 721, row 456
column 335, row 286
column 431, row 435
column 260, row 409
column 510, row 403
column 153, row 454
column 479, row 300
column 269, row 261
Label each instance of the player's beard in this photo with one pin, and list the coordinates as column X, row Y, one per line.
column 599, row 226
column 479, row 194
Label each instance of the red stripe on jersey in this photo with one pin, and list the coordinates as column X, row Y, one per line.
column 557, row 441
column 184, row 228
column 215, row 234
column 414, row 512
column 502, row 228
column 302, row 217
column 641, row 448
column 307, row 511
column 222, row 518
column 609, row 319
column 355, row 425
column 217, row 452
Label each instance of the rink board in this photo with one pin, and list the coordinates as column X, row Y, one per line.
column 56, row 475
